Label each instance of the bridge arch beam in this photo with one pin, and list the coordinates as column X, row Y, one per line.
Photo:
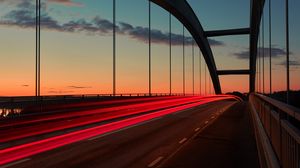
column 185, row 14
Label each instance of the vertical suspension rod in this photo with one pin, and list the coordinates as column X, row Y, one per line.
column 170, row 52
column 270, row 47
column 287, row 52
column 114, row 47
column 149, row 35
column 200, row 71
column 183, row 59
column 263, row 54
column 193, row 66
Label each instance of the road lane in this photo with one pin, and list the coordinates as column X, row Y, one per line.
column 88, row 117
column 75, row 110
column 229, row 142
column 138, row 146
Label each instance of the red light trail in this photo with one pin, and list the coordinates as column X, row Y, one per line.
column 18, row 152
column 88, row 117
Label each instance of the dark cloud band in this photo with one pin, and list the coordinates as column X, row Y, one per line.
column 276, row 53
column 24, row 16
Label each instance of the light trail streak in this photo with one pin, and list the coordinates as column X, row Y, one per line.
column 29, row 149
column 102, row 115
column 57, row 116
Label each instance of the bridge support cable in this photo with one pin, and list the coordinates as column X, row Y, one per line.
column 193, row 66
column 205, row 89
column 209, row 84
column 38, row 50
column 200, row 76
column 263, row 53
column 259, row 70
column 287, row 51
column 270, row 46
column 183, row 61
column 170, row 52
column 114, row 47
column 149, row 56
column 256, row 79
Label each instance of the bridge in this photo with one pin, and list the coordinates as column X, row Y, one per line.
column 153, row 83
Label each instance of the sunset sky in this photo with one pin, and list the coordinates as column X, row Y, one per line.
column 76, row 46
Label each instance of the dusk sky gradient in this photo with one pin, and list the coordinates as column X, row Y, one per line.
column 76, row 46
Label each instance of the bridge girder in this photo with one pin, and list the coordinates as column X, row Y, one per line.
column 256, row 14
column 185, row 14
column 227, row 32
column 234, row 72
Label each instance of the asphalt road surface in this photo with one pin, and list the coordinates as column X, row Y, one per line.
column 146, row 144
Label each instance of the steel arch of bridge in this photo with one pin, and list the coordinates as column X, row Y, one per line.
column 185, row 14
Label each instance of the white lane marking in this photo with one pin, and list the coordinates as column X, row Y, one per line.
column 122, row 129
column 183, row 140
column 197, row 129
column 15, row 163
column 212, row 117
column 206, row 122
column 154, row 162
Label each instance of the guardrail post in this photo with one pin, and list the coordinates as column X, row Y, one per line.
column 270, row 119
column 280, row 133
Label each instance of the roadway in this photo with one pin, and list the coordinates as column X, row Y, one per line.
column 144, row 144
column 55, row 121
column 228, row 142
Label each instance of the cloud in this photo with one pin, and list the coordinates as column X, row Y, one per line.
column 79, row 87
column 24, row 17
column 66, row 2
column 215, row 42
column 23, row 3
column 8, row 1
column 3, row 1
column 60, row 91
column 103, row 25
column 293, row 63
column 157, row 36
column 276, row 53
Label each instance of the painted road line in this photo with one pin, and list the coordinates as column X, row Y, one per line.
column 183, row 140
column 15, row 163
column 154, row 162
column 197, row 129
column 206, row 122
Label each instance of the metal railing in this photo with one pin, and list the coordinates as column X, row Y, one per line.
column 280, row 124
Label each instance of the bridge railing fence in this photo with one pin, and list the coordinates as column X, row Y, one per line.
column 281, row 124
